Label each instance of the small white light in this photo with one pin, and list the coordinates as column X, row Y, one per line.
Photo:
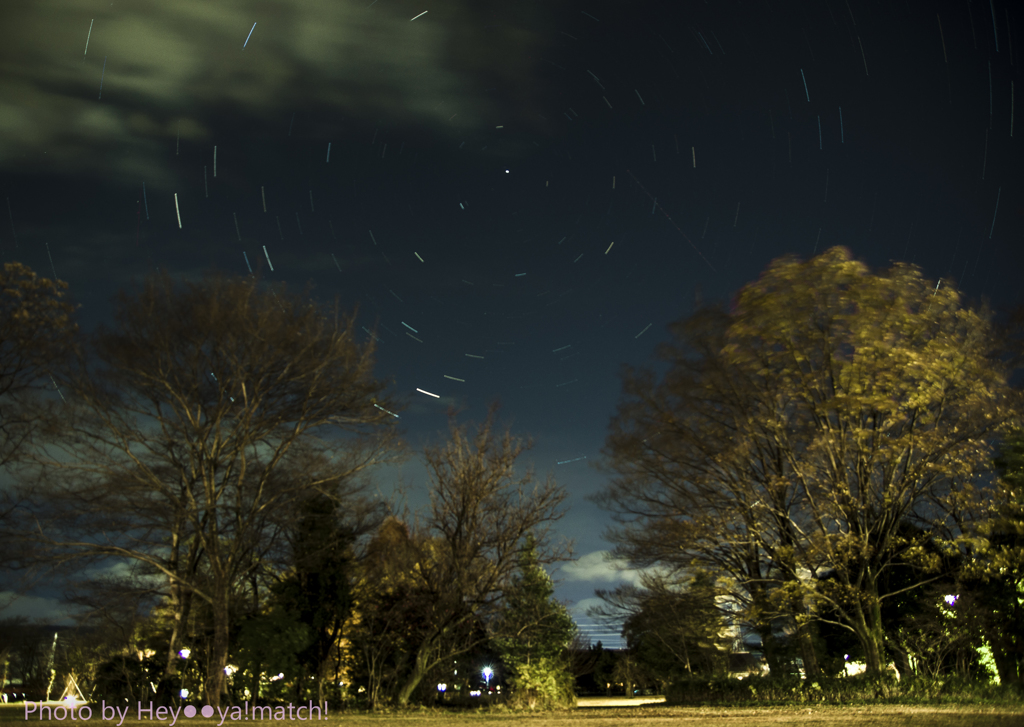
column 185, row 653
column 183, row 693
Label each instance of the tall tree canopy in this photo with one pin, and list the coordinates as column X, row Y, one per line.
column 798, row 433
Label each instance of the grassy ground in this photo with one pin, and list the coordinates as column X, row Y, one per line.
column 649, row 716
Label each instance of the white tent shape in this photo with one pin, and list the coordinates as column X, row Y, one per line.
column 71, row 690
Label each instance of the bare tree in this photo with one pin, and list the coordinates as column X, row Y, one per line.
column 36, row 333
column 211, row 409
column 471, row 541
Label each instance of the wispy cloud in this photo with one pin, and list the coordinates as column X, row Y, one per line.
column 156, row 59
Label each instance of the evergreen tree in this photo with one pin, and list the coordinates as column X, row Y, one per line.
column 534, row 631
column 318, row 590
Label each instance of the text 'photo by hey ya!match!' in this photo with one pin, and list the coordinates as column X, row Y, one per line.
column 171, row 715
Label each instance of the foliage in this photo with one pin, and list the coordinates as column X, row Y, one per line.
column 996, row 575
column 389, row 612
column 862, row 689
column 672, row 629
column 795, row 434
column 945, row 638
column 542, row 683
column 319, row 589
column 533, row 632
column 270, row 643
column 680, row 629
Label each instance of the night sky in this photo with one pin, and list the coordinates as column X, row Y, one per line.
column 519, row 195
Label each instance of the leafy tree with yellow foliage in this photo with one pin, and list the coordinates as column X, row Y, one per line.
column 794, row 434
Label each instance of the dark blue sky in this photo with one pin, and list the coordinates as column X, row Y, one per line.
column 485, row 174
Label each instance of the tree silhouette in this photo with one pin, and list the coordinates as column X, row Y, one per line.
column 197, row 423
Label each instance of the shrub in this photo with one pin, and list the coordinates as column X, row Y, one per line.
column 839, row 690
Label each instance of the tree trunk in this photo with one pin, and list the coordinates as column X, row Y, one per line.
column 901, row 659
column 181, row 603
column 1006, row 661
column 373, row 677
column 770, row 649
column 420, row 666
column 869, row 632
column 806, row 637
column 255, row 688
column 216, row 685
column 4, row 662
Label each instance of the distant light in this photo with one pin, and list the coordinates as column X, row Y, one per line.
column 229, row 670
column 442, row 687
column 506, row 171
column 185, row 653
column 184, row 693
column 951, row 600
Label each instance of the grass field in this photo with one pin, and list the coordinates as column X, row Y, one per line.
column 605, row 716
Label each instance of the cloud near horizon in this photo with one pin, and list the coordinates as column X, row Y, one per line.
column 597, row 566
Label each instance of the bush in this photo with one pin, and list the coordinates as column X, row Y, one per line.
column 862, row 689
column 543, row 684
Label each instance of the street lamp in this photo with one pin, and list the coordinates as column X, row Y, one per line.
column 487, row 672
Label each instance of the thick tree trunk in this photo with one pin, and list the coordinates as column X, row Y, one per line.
column 770, row 648
column 805, row 630
column 868, row 628
column 1007, row 666
column 216, row 685
column 420, row 666
column 805, row 634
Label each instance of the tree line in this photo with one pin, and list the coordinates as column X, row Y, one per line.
column 819, row 464
column 210, row 454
